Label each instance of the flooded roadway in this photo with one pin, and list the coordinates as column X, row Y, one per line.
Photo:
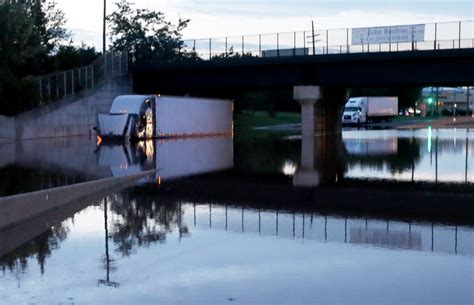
column 366, row 218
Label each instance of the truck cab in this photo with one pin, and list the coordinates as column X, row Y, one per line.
column 355, row 111
column 130, row 117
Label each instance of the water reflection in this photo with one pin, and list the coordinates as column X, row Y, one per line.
column 127, row 239
column 390, row 234
column 429, row 156
column 433, row 156
column 322, row 161
column 436, row 156
column 43, row 164
column 133, row 221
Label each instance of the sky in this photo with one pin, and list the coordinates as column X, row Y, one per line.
column 219, row 18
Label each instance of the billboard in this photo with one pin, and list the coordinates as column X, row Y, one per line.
column 387, row 34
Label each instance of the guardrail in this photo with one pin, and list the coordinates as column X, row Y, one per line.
column 435, row 36
column 62, row 84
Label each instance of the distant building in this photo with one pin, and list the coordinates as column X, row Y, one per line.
column 447, row 98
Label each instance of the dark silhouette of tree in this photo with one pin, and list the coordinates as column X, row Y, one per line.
column 144, row 223
column 146, row 34
column 41, row 247
column 30, row 32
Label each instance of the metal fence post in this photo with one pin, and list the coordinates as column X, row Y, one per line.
column 304, row 43
column 65, row 84
column 390, row 39
column 459, row 46
column 57, row 85
column 436, row 35
column 260, row 45
column 121, row 62
column 294, row 44
column 80, row 79
column 210, row 48
column 347, row 40
column 72, row 81
column 103, row 67
column 92, row 75
column 243, row 46
column 327, row 41
column 49, row 88
column 41, row 90
column 278, row 44
column 112, row 67
column 226, row 54
column 87, row 78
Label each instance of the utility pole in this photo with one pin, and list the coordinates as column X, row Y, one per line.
column 313, row 37
column 104, row 29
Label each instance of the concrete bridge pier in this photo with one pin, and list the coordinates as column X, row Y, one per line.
column 321, row 109
column 322, row 153
column 329, row 109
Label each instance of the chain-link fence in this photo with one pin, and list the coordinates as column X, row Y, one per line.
column 62, row 84
column 433, row 36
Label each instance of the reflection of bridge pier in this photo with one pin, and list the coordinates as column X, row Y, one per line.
column 322, row 161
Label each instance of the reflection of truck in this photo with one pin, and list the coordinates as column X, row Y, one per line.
column 173, row 158
column 370, row 109
column 145, row 117
column 371, row 147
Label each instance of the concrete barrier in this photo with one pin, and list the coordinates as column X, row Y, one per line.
column 72, row 116
column 19, row 208
column 7, row 128
column 14, row 236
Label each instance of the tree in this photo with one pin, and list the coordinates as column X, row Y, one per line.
column 30, row 32
column 146, row 35
column 69, row 57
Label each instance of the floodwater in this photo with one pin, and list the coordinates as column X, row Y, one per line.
column 369, row 217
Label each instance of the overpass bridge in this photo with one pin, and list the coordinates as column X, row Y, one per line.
column 440, row 54
column 319, row 64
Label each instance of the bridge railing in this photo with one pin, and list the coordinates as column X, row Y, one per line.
column 62, row 84
column 432, row 36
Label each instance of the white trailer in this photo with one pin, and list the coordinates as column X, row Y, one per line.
column 146, row 117
column 370, row 109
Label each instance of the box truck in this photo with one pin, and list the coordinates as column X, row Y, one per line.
column 145, row 117
column 369, row 109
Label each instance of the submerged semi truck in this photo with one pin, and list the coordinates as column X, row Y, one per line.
column 359, row 110
column 155, row 116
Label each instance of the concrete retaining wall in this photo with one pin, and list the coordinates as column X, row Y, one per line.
column 18, row 208
column 7, row 127
column 73, row 116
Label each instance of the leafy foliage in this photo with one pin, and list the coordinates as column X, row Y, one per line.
column 30, row 33
column 146, row 35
